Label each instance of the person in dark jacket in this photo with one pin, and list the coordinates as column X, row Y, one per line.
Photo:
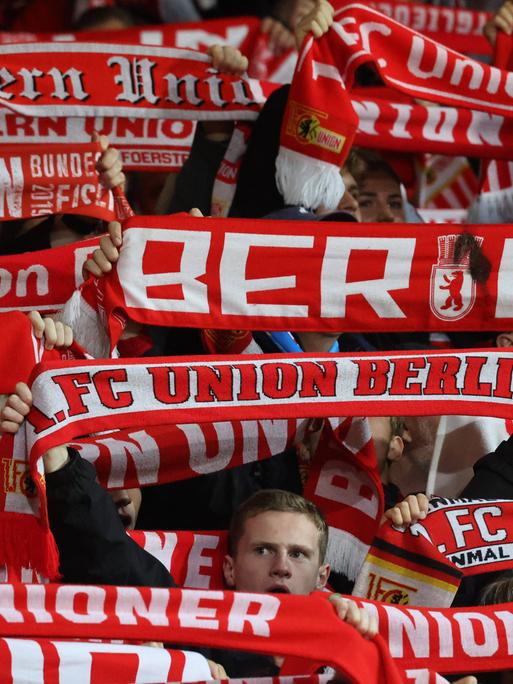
column 88, row 523
column 90, row 529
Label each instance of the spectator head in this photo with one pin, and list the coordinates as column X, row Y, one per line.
column 498, row 591
column 380, row 198
column 389, row 435
column 128, row 503
column 349, row 203
column 277, row 543
column 104, row 19
column 505, row 339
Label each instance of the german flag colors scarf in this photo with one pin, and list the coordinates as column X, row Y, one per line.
column 423, row 564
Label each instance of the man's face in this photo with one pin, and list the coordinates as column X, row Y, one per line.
column 380, row 198
column 350, row 201
column 127, row 502
column 277, row 553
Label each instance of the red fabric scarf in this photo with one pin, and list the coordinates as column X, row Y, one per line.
column 80, row 398
column 458, row 640
column 495, row 201
column 422, row 564
column 167, row 453
column 457, row 28
column 283, row 275
column 53, row 661
column 62, row 179
column 98, row 79
column 386, row 121
column 319, row 123
column 43, row 280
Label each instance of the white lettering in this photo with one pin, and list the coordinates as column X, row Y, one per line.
column 11, row 187
column 195, row 578
column 353, row 487
column 239, row 613
column 396, row 276
column 196, row 245
column 130, row 606
column 191, row 614
column 469, row 644
column 415, row 58
column 234, row 285
column 494, row 511
column 457, row 528
column 504, row 305
column 412, row 626
column 199, row 461
column 95, row 601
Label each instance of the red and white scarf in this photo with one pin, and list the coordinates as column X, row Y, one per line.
column 43, row 280
column 457, row 640
column 54, row 661
column 495, row 201
column 83, row 397
column 100, row 79
column 56, row 179
column 319, row 122
column 385, row 121
column 423, row 564
column 279, row 275
column 458, row 28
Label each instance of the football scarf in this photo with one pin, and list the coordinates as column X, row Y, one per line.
column 461, row 30
column 83, row 397
column 54, row 661
column 446, row 640
column 343, row 481
column 62, row 179
column 423, row 564
column 44, row 280
column 240, row 274
column 457, row 28
column 445, row 182
column 385, row 121
column 101, row 79
column 494, row 203
column 319, row 123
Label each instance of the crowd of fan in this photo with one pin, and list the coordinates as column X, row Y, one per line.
column 277, row 538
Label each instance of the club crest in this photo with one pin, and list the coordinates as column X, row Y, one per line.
column 453, row 292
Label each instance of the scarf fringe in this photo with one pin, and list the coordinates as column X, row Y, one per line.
column 345, row 553
column 25, row 543
column 308, row 182
column 88, row 328
column 492, row 207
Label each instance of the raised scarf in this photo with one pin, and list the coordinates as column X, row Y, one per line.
column 239, row 274
column 78, row 398
column 457, row 28
column 494, row 203
column 55, row 661
column 422, row 564
column 56, row 179
column 446, row 640
column 101, row 79
column 319, row 123
column 43, row 280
